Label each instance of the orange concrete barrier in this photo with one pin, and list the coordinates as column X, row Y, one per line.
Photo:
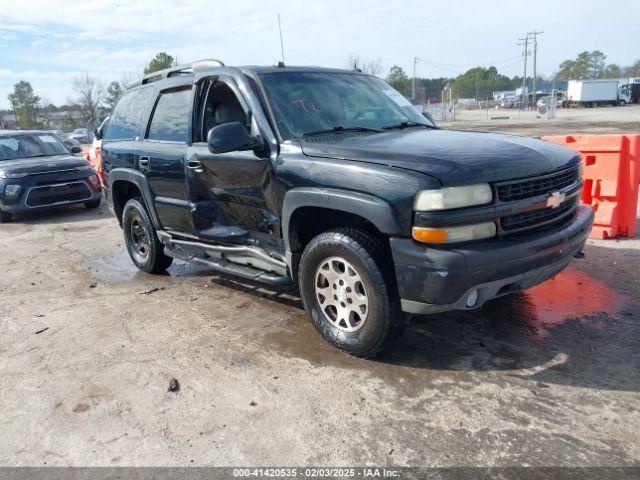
column 611, row 176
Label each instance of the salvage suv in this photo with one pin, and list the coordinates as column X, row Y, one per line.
column 332, row 181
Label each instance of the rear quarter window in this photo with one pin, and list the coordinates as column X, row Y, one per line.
column 170, row 120
column 124, row 123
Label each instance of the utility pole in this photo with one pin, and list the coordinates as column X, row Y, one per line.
column 477, row 102
column 524, row 79
column 413, row 83
column 535, row 54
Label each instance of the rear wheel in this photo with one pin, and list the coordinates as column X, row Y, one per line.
column 144, row 248
column 5, row 217
column 347, row 285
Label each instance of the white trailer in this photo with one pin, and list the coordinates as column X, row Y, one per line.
column 592, row 93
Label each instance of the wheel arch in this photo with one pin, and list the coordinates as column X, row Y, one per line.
column 125, row 184
column 342, row 207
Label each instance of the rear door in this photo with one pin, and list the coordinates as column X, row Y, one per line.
column 162, row 157
column 124, row 129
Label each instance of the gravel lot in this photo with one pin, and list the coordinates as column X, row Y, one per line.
column 568, row 120
column 550, row 377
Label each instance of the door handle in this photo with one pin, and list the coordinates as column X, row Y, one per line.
column 144, row 161
column 195, row 165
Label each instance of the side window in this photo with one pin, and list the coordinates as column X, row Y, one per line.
column 124, row 123
column 170, row 119
column 222, row 106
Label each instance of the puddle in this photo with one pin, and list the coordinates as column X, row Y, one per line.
column 572, row 294
column 118, row 267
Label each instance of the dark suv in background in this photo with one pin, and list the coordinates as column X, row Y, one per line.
column 331, row 180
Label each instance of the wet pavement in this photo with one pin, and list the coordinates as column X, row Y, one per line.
column 548, row 377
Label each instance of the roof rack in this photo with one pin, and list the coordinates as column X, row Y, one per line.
column 184, row 69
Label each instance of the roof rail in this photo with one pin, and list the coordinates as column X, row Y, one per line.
column 183, row 69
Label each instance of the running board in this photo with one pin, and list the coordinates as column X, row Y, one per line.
column 242, row 260
column 245, row 272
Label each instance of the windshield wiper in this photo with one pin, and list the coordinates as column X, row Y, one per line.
column 407, row 124
column 341, row 128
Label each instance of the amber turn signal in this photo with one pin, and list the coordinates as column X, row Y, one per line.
column 429, row 235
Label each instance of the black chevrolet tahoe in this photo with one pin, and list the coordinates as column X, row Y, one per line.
column 39, row 172
column 332, row 181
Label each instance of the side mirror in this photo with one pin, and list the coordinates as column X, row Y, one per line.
column 76, row 149
column 97, row 133
column 231, row 137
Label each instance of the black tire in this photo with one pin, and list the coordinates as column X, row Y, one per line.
column 92, row 204
column 144, row 248
column 5, row 217
column 384, row 321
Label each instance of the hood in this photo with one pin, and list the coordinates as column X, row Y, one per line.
column 452, row 157
column 38, row 165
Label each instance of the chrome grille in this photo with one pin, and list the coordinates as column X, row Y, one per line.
column 537, row 219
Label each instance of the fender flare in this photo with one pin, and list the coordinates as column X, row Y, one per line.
column 371, row 208
column 140, row 181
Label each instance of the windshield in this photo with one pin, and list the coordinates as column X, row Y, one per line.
column 309, row 102
column 30, row 145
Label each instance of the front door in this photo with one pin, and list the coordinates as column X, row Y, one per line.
column 233, row 194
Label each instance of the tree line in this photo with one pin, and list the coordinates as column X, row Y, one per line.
column 90, row 97
column 481, row 82
column 94, row 101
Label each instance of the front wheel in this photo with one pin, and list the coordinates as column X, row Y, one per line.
column 622, row 103
column 144, row 248
column 347, row 286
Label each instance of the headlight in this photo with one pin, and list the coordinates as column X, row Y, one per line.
column 580, row 170
column 463, row 233
column 12, row 191
column 2, row 174
column 452, row 197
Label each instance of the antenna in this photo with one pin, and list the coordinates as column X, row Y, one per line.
column 281, row 42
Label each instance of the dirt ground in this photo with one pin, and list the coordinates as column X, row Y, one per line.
column 566, row 122
column 88, row 346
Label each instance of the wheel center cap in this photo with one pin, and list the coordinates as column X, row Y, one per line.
column 342, row 294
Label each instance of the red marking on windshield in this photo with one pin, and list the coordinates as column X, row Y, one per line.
column 305, row 104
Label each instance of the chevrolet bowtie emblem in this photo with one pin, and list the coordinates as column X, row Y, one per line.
column 555, row 199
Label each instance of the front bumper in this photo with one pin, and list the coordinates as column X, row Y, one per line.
column 436, row 279
column 22, row 204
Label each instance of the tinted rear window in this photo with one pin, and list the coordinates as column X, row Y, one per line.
column 170, row 119
column 124, row 123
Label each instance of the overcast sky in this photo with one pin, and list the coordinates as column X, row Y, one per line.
column 48, row 42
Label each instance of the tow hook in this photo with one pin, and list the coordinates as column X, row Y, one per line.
column 579, row 255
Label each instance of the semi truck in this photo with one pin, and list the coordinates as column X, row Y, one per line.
column 594, row 93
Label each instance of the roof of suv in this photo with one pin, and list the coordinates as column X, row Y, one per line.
column 18, row 132
column 277, row 69
column 182, row 74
